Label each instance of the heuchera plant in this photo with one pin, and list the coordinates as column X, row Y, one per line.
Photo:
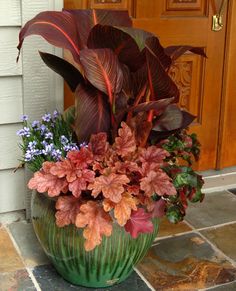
column 126, row 112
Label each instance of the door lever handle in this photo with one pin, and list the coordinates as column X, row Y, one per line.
column 217, row 18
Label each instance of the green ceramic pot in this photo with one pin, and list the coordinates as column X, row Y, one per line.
column 108, row 264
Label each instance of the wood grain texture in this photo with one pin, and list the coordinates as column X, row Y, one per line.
column 12, row 190
column 8, row 52
column 10, row 13
column 187, row 72
column 11, row 106
column 227, row 141
column 9, row 150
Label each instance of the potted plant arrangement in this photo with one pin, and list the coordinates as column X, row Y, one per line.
column 110, row 166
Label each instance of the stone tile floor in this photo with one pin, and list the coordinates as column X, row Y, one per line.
column 197, row 254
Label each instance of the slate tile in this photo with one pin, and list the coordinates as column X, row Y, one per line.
column 28, row 244
column 224, row 238
column 48, row 279
column 16, row 281
column 216, row 208
column 9, row 259
column 167, row 228
column 186, row 262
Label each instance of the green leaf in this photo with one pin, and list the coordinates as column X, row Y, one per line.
column 69, row 115
column 174, row 214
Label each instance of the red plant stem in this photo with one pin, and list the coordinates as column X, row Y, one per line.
column 150, row 115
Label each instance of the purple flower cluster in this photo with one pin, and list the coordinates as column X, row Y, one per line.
column 47, row 140
column 25, row 131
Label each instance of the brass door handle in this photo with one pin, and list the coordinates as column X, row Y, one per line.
column 217, row 18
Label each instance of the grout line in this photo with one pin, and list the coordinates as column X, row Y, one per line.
column 213, row 287
column 36, row 285
column 144, row 279
column 215, row 248
column 194, row 230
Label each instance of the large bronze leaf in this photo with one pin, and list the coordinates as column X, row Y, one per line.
column 58, row 28
column 86, row 19
column 160, row 84
column 92, row 113
column 103, row 70
column 123, row 45
column 70, row 74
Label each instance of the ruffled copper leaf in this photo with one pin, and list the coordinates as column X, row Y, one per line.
column 123, row 45
column 174, row 52
column 92, row 112
column 70, row 74
column 58, row 28
column 155, row 48
column 86, row 19
column 103, row 70
column 141, row 128
column 160, row 84
column 159, row 106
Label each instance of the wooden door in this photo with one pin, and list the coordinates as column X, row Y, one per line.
column 185, row 22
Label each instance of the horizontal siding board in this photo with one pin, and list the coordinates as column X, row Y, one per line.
column 10, row 13
column 12, row 190
column 8, row 52
column 9, row 150
column 11, row 107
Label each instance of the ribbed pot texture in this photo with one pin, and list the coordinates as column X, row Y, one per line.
column 108, row 264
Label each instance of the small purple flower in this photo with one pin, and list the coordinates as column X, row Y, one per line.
column 64, row 140
column 56, row 154
column 24, row 117
column 35, row 124
column 24, row 132
column 48, row 149
column 32, row 145
column 55, row 114
column 83, row 144
column 46, row 117
column 44, row 143
column 43, row 129
column 28, row 156
column 49, row 135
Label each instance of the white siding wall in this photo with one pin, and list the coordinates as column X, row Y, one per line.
column 25, row 88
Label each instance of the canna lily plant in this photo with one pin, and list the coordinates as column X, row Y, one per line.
column 135, row 162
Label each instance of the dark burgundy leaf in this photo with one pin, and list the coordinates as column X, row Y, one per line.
column 58, row 28
column 159, row 105
column 157, row 134
column 92, row 112
column 139, row 80
column 70, row 74
column 103, row 70
column 86, row 19
column 174, row 52
column 138, row 35
column 155, row 48
column 160, row 83
column 123, row 45
column 171, row 119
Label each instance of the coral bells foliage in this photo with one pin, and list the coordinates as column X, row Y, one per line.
column 103, row 182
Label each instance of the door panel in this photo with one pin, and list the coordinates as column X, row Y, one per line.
column 186, row 22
